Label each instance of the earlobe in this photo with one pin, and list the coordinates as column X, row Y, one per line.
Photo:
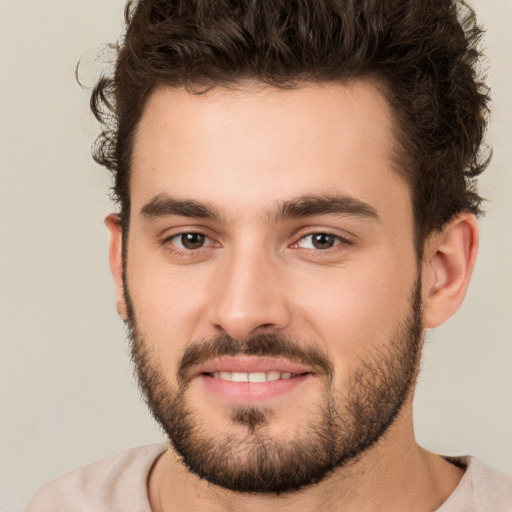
column 113, row 224
column 450, row 257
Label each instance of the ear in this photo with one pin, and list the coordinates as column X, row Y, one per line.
column 449, row 258
column 113, row 224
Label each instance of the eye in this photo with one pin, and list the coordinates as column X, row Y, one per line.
column 190, row 241
column 319, row 241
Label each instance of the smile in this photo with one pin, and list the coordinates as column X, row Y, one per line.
column 245, row 380
column 254, row 377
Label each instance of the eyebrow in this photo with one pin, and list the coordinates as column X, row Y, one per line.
column 310, row 205
column 163, row 205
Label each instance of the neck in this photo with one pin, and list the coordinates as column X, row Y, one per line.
column 396, row 474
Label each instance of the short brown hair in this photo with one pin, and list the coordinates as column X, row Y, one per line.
column 424, row 53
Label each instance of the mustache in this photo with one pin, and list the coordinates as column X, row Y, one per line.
column 269, row 345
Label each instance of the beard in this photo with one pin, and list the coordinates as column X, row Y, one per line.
column 341, row 429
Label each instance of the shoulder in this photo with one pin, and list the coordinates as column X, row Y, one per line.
column 481, row 489
column 490, row 487
column 115, row 483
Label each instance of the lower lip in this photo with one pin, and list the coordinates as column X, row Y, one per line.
column 249, row 392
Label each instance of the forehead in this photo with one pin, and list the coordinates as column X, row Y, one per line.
column 250, row 147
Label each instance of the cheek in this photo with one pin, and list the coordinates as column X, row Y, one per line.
column 167, row 302
column 168, row 305
column 356, row 309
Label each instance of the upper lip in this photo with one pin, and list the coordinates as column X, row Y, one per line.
column 252, row 364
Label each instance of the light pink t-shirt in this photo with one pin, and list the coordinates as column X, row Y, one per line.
column 119, row 484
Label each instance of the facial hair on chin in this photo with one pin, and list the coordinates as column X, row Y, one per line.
column 341, row 428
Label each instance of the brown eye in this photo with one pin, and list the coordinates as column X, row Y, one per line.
column 192, row 240
column 323, row 241
column 189, row 241
column 320, row 241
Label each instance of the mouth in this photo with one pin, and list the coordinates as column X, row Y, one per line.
column 254, row 377
column 246, row 379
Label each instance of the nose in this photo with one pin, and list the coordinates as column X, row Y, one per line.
column 250, row 298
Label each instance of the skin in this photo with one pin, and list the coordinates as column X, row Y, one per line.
column 243, row 152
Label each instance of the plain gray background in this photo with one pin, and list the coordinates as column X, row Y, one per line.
column 67, row 395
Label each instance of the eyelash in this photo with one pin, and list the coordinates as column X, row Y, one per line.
column 181, row 251
column 337, row 239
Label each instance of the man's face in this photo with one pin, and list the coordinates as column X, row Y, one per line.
column 273, row 292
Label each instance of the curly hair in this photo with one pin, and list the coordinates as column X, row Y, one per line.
column 424, row 53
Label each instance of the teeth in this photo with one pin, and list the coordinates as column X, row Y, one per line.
column 257, row 377
column 273, row 375
column 239, row 377
column 253, row 377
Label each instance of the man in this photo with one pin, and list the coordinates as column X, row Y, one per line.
column 297, row 206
